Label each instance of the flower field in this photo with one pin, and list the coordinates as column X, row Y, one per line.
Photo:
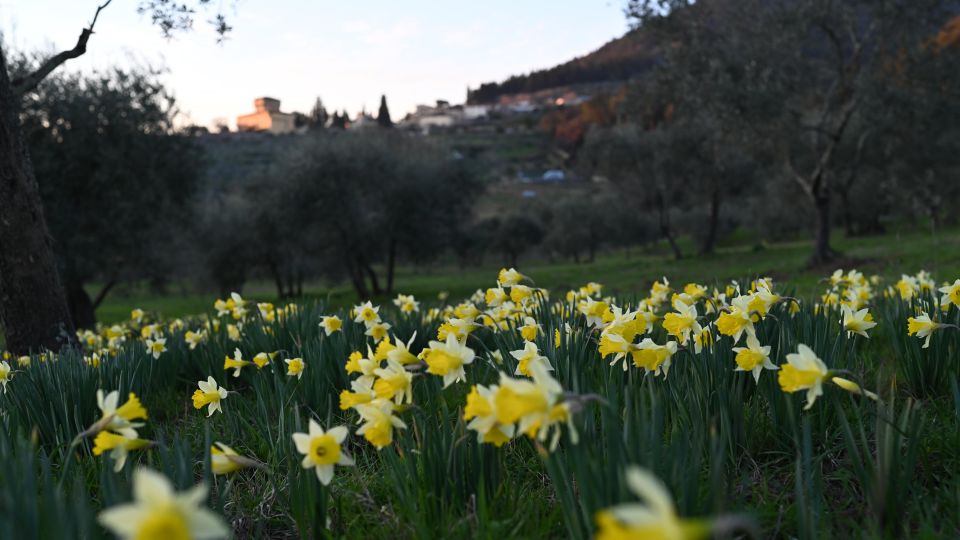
column 722, row 410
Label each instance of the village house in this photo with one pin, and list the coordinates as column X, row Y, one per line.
column 267, row 118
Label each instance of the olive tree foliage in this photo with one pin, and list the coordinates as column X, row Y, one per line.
column 115, row 178
column 355, row 205
column 33, row 303
column 808, row 90
column 639, row 162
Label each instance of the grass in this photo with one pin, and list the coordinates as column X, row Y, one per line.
column 621, row 273
column 734, row 452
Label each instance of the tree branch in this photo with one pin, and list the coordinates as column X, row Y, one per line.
column 27, row 83
column 103, row 292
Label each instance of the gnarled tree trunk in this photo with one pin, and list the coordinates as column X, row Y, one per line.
column 33, row 305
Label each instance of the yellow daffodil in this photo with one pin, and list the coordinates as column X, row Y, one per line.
column 236, row 363
column 509, row 277
column 655, row 518
column 459, row 328
column 653, row 357
column 481, row 415
column 378, row 330
column 738, row 320
column 5, row 374
column 407, row 303
column 362, row 392
column 951, row 294
column 136, row 315
column 209, row 394
column 401, row 352
column 322, row 450
column 804, row 370
column 683, row 322
column 118, row 418
column 118, row 445
column 156, row 347
column 908, row 286
column 194, row 338
column 753, row 358
column 534, row 405
column 378, row 422
column 857, row 322
column 495, row 296
column 367, row 313
column 331, row 324
column 447, row 359
column 225, row 460
column 530, row 354
column 394, row 382
column 262, row 359
column 295, row 367
column 530, row 329
column 922, row 326
column 157, row 513
column 233, row 332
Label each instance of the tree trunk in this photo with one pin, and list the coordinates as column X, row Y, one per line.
column 391, row 264
column 822, row 250
column 82, row 310
column 33, row 306
column 374, row 282
column 665, row 230
column 710, row 242
column 275, row 274
column 356, row 278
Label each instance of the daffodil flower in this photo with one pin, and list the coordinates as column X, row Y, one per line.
column 753, row 358
column 158, row 512
column 951, row 294
column 447, row 359
column 378, row 422
column 857, row 322
column 656, row 517
column 530, row 354
column 331, row 324
column 209, row 394
column 119, row 419
column 225, row 460
column 322, row 450
column 804, row 370
column 236, row 363
column 922, row 326
column 156, row 347
column 367, row 313
column 509, row 277
column 5, row 374
column 118, row 445
column 295, row 367
column 481, row 414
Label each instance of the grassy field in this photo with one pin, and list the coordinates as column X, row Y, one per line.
column 464, row 424
column 621, row 273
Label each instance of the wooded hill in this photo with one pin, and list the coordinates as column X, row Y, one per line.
column 618, row 60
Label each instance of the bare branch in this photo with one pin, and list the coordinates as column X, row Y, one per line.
column 797, row 177
column 27, row 83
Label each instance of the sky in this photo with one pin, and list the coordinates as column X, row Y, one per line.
column 347, row 53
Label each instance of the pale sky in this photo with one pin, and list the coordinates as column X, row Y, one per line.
column 348, row 53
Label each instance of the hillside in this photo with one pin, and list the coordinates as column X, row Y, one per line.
column 620, row 59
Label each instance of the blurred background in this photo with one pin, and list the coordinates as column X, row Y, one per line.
column 329, row 150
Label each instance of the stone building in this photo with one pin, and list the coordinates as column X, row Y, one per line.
column 267, row 118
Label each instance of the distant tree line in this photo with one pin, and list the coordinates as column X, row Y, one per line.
column 130, row 198
column 618, row 60
column 787, row 116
